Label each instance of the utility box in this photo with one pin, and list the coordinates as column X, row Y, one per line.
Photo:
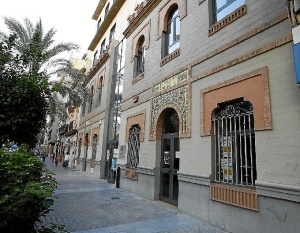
column 296, row 52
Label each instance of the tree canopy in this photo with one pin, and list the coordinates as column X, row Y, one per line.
column 33, row 36
column 23, row 96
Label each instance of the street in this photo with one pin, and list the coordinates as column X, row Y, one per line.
column 89, row 205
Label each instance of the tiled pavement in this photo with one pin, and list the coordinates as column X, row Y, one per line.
column 89, row 205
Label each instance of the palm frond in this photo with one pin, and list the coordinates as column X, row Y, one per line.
column 29, row 27
column 16, row 27
column 62, row 47
column 48, row 39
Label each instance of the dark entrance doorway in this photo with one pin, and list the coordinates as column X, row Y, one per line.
column 110, row 174
column 170, row 157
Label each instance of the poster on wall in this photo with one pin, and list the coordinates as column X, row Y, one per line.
column 226, row 160
column 116, row 153
column 167, row 157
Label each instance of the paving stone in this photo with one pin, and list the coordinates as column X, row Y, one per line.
column 89, row 205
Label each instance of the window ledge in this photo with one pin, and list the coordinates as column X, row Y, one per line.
column 227, row 20
column 241, row 197
column 138, row 78
column 170, row 57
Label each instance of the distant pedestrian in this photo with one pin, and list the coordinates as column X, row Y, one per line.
column 43, row 157
column 53, row 156
column 66, row 162
column 56, row 160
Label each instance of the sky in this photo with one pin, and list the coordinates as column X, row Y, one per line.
column 72, row 19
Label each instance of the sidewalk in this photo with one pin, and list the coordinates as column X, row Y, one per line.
column 87, row 205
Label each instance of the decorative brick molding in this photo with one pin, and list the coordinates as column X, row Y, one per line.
column 136, row 40
column 137, row 19
column 165, row 10
column 146, row 171
column 131, row 173
column 240, row 39
column 194, row 178
column 223, row 48
column 170, row 57
column 100, row 64
column 253, row 87
column 100, row 82
column 96, row 131
column 137, row 78
column 241, row 197
column 171, row 93
column 245, row 57
column 168, row 83
column 227, row 20
column 136, row 119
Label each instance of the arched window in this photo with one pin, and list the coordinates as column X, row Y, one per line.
column 100, row 85
column 133, row 146
column 99, row 24
column 141, row 56
column 94, row 146
column 234, row 159
column 173, row 31
column 95, row 58
column 91, row 98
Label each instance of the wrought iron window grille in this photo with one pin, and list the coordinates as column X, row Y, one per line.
column 234, row 145
column 133, row 147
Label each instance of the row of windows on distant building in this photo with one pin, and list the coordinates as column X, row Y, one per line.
column 89, row 101
column 103, row 45
column 107, row 8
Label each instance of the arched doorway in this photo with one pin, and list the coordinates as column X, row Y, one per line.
column 170, row 156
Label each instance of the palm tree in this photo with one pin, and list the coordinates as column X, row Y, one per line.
column 41, row 53
column 32, row 37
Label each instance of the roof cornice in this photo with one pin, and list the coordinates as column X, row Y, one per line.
column 115, row 8
column 99, row 8
column 139, row 16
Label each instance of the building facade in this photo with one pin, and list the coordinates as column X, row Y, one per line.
column 210, row 113
column 98, row 135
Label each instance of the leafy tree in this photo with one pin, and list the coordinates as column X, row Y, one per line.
column 23, row 96
column 42, row 54
column 72, row 85
column 32, row 38
column 26, row 192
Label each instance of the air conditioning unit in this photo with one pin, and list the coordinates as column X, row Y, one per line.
column 297, row 5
